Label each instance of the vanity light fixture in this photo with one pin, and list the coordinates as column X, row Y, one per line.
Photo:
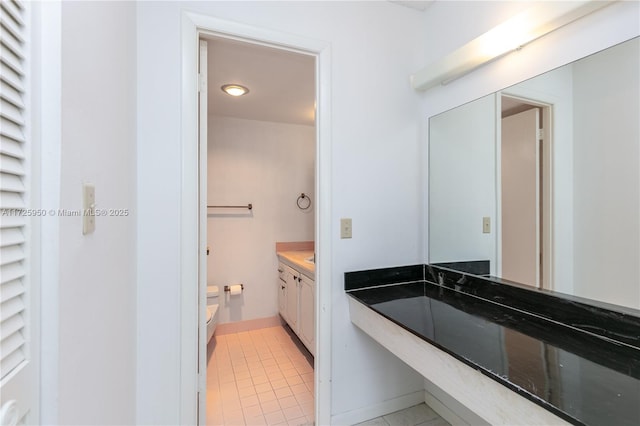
column 511, row 35
column 234, row 89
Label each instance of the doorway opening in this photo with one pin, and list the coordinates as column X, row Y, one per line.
column 258, row 158
column 525, row 209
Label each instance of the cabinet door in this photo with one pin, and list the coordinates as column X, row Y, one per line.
column 307, row 314
column 292, row 300
column 282, row 290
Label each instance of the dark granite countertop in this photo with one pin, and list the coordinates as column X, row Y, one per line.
column 582, row 375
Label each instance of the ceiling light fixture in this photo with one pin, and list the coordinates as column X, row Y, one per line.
column 234, row 89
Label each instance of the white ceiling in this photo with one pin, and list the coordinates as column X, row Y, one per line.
column 414, row 4
column 281, row 83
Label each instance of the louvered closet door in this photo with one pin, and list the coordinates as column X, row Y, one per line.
column 18, row 387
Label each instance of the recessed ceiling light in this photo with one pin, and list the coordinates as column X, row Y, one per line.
column 234, row 89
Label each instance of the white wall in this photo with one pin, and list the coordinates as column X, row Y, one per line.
column 375, row 180
column 97, row 287
column 269, row 165
column 607, row 176
column 462, row 183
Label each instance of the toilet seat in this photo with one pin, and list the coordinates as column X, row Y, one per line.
column 213, row 292
column 212, row 320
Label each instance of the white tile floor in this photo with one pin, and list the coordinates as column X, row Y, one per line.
column 259, row 377
column 418, row 415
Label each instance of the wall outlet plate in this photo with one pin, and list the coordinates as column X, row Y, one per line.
column 486, row 225
column 345, row 228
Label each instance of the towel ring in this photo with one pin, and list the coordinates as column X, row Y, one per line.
column 303, row 202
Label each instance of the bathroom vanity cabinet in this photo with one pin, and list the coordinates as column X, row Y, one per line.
column 289, row 309
column 296, row 303
column 307, row 317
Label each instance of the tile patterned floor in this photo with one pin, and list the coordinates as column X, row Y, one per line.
column 418, row 415
column 262, row 377
column 259, row 377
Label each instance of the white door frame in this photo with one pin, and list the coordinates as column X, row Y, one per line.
column 192, row 25
column 547, row 214
column 203, row 102
column 47, row 126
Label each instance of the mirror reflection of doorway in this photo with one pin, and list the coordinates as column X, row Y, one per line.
column 525, row 172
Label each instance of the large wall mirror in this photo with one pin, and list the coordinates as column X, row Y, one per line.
column 539, row 183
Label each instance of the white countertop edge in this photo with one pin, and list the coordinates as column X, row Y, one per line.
column 295, row 260
column 492, row 402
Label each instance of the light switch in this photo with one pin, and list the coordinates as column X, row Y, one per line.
column 345, row 228
column 486, row 225
column 88, row 208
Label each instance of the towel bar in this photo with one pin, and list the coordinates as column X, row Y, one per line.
column 248, row 207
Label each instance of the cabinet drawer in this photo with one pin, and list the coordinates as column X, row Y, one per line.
column 281, row 272
column 286, row 269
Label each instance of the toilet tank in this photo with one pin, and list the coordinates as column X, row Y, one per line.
column 212, row 294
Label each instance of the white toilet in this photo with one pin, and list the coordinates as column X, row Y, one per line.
column 212, row 310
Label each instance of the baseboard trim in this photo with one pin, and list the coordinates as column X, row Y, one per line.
column 372, row 411
column 248, row 325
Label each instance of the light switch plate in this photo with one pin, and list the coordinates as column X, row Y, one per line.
column 345, row 227
column 88, row 208
column 486, row 225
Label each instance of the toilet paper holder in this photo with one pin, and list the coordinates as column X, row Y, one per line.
column 228, row 288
